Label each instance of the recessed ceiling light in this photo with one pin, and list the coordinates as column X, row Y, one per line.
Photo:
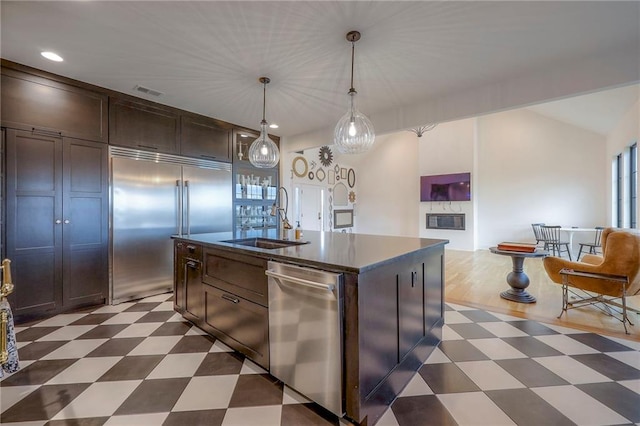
column 273, row 125
column 52, row 56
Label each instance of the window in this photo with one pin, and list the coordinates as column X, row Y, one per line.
column 618, row 190
column 633, row 185
column 625, row 188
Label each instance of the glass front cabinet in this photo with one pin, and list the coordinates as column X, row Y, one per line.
column 254, row 190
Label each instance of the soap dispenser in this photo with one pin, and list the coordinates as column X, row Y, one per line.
column 298, row 231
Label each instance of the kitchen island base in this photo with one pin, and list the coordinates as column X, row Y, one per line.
column 392, row 310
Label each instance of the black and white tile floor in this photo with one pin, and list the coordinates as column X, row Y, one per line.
column 141, row 364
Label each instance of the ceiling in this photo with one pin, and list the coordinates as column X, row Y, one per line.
column 207, row 56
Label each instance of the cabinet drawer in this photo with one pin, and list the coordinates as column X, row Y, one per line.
column 238, row 274
column 244, row 325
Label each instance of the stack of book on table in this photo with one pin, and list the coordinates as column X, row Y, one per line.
column 522, row 247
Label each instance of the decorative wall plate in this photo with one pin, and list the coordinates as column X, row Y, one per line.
column 352, row 197
column 326, row 156
column 320, row 174
column 300, row 166
column 311, row 176
column 351, row 178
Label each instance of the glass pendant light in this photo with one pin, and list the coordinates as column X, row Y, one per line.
column 354, row 132
column 263, row 152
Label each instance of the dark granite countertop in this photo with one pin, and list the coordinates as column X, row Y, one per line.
column 326, row 250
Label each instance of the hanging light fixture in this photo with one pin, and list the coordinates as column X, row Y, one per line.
column 354, row 132
column 263, row 152
column 419, row 131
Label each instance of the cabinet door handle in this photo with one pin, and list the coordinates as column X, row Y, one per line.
column 45, row 132
column 230, row 299
column 193, row 264
column 58, row 221
column 191, row 248
column 414, row 275
column 66, row 221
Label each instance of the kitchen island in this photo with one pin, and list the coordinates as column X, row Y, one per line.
column 391, row 303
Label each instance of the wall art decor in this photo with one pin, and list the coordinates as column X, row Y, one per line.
column 311, row 175
column 313, row 164
column 331, row 178
column 326, row 156
column 300, row 166
column 320, row 174
column 337, row 169
column 340, row 195
column 343, row 173
column 343, row 219
column 351, row 178
column 352, row 197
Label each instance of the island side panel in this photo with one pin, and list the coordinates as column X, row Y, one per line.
column 386, row 321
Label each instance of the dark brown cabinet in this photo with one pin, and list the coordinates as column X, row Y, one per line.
column 45, row 106
column 236, row 302
column 138, row 124
column 205, row 137
column 237, row 274
column 399, row 306
column 56, row 221
column 188, row 296
column 410, row 308
column 241, row 324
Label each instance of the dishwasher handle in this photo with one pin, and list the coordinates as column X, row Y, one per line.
column 306, row 283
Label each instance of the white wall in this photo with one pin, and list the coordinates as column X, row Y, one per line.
column 535, row 169
column 623, row 135
column 449, row 148
column 525, row 168
column 388, row 186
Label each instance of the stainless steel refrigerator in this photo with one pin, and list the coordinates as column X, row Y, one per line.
column 154, row 196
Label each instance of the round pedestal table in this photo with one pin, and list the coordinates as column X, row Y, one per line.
column 517, row 279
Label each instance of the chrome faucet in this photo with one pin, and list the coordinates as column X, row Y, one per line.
column 282, row 213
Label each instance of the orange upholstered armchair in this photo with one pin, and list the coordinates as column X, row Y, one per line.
column 607, row 278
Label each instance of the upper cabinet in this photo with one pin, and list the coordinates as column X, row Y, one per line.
column 143, row 125
column 205, row 137
column 45, row 106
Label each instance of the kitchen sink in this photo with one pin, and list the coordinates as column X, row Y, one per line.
column 265, row 243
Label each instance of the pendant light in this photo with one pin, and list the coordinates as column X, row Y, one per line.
column 354, row 132
column 263, row 152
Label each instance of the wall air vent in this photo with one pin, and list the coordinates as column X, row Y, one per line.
column 147, row 91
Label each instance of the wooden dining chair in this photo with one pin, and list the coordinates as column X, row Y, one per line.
column 594, row 247
column 537, row 233
column 553, row 242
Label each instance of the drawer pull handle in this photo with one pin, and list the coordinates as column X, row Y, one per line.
column 230, row 299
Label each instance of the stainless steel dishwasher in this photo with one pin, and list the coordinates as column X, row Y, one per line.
column 305, row 332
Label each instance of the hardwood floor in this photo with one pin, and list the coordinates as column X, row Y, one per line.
column 477, row 279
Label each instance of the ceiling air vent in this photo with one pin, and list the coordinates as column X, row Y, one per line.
column 147, row 91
